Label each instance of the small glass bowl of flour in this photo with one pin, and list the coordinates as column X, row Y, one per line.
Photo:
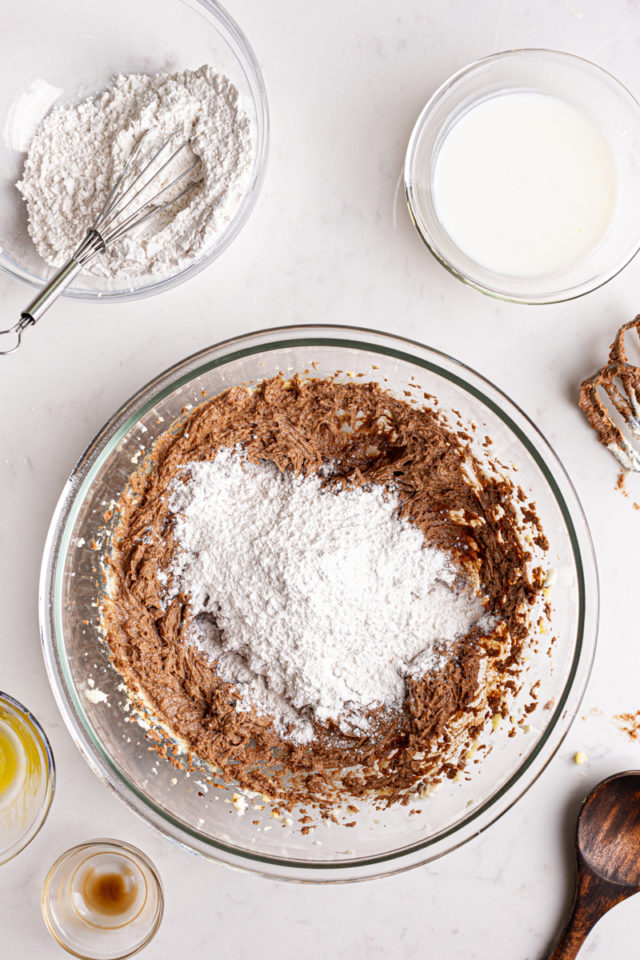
column 82, row 90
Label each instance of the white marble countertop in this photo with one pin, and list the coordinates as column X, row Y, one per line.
column 331, row 240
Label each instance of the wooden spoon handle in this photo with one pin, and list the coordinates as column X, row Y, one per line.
column 571, row 939
column 593, row 898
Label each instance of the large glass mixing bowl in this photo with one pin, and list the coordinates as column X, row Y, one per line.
column 55, row 54
column 89, row 692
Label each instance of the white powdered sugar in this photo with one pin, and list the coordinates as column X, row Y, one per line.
column 78, row 152
column 315, row 603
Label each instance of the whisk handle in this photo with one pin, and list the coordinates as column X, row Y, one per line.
column 49, row 294
column 40, row 304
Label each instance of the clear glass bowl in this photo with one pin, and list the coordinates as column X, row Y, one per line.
column 53, row 55
column 25, row 802
column 88, row 690
column 584, row 85
column 103, row 900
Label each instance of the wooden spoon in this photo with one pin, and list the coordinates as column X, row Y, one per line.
column 608, row 850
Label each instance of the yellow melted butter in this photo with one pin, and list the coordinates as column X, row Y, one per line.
column 19, row 758
column 10, row 756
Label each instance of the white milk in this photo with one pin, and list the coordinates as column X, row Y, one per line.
column 525, row 184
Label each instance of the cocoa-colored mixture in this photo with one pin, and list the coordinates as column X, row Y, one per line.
column 619, row 380
column 484, row 523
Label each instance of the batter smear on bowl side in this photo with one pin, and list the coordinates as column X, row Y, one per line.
column 318, row 588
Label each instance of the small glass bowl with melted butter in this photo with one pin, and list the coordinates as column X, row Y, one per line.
column 27, row 777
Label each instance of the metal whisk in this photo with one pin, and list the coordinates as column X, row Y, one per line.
column 127, row 206
column 611, row 400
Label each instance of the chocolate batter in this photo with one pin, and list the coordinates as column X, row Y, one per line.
column 299, row 425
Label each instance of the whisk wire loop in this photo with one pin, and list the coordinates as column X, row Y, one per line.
column 119, row 199
column 112, row 196
column 143, row 216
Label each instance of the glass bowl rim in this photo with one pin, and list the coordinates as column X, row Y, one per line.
column 33, row 829
column 415, row 210
column 79, row 484
column 251, row 68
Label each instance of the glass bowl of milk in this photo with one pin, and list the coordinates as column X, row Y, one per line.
column 521, row 176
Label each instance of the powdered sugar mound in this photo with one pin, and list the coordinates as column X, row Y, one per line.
column 79, row 151
column 316, row 604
